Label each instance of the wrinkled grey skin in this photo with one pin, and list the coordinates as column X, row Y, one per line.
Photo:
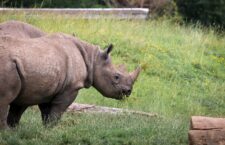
column 50, row 70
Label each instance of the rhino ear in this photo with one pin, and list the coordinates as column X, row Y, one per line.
column 107, row 51
column 109, row 48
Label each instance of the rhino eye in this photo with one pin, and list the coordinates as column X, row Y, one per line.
column 117, row 77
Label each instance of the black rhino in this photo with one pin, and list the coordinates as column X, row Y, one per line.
column 49, row 70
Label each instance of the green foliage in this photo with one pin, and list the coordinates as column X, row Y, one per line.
column 209, row 12
column 183, row 74
column 159, row 8
column 51, row 3
column 90, row 129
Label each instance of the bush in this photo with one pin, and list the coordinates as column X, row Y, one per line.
column 208, row 12
column 157, row 7
column 51, row 3
column 162, row 8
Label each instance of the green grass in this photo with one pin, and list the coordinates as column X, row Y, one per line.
column 183, row 75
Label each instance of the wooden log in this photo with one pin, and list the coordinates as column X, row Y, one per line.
column 87, row 108
column 206, row 137
column 207, row 131
column 201, row 122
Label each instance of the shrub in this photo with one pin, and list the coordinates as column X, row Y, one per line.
column 156, row 7
column 51, row 3
column 162, row 8
column 209, row 12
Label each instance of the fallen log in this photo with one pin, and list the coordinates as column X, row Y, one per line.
column 87, row 108
column 207, row 131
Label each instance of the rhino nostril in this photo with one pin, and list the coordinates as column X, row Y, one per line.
column 124, row 91
column 128, row 92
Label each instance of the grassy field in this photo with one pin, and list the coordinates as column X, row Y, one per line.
column 183, row 75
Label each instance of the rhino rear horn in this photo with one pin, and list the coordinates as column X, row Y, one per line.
column 135, row 73
column 122, row 68
column 107, row 51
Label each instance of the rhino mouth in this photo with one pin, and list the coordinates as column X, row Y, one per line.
column 120, row 96
column 122, row 93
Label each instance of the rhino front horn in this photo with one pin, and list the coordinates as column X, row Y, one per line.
column 135, row 73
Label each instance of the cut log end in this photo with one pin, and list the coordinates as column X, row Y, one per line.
column 207, row 123
column 207, row 131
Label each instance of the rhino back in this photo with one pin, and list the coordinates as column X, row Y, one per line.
column 19, row 29
column 47, row 66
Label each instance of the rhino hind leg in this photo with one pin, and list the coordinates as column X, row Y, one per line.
column 14, row 115
column 10, row 86
column 3, row 116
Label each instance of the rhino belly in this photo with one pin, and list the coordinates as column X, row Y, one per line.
column 37, row 90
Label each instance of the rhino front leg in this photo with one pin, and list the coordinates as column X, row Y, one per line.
column 14, row 115
column 52, row 112
column 45, row 110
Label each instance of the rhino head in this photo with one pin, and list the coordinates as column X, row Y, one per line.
column 110, row 81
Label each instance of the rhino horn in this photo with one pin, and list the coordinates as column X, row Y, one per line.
column 135, row 73
column 122, row 68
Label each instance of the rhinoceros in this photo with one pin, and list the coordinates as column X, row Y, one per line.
column 48, row 71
